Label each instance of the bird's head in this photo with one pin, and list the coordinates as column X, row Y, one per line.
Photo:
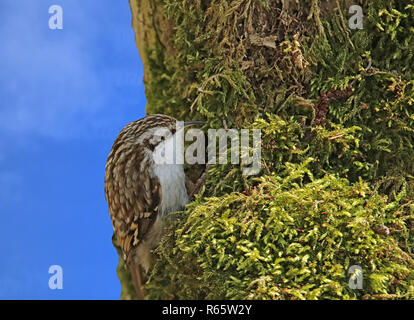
column 153, row 132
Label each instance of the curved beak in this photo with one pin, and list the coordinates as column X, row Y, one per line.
column 192, row 123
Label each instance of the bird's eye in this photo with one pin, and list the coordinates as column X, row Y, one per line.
column 162, row 138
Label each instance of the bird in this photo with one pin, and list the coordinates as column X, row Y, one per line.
column 141, row 190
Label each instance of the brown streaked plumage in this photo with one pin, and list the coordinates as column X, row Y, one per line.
column 140, row 192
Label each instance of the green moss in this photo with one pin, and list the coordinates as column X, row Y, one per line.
column 127, row 287
column 239, row 61
column 286, row 239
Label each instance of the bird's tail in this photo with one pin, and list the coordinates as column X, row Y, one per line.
column 137, row 280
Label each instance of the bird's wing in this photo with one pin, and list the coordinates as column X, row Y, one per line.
column 133, row 197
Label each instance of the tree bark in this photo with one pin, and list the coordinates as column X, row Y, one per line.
column 247, row 60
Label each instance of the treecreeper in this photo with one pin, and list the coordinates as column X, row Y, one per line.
column 141, row 189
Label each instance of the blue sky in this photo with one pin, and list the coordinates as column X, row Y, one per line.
column 65, row 95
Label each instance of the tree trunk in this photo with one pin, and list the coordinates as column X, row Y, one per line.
column 335, row 106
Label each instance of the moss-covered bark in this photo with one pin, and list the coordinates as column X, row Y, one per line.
column 336, row 186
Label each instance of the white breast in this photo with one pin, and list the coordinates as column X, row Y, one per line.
column 171, row 176
column 174, row 196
